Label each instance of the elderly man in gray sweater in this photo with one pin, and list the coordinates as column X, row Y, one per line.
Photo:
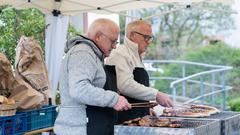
column 88, row 99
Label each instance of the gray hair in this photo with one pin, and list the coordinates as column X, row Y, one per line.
column 101, row 25
column 135, row 26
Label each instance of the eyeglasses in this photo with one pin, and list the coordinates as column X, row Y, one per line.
column 147, row 38
column 113, row 42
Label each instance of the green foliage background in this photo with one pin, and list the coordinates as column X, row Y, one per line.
column 216, row 54
column 219, row 54
column 15, row 23
column 235, row 104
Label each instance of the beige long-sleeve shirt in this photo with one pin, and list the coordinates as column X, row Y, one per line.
column 126, row 58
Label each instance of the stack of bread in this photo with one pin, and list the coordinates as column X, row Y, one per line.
column 7, row 106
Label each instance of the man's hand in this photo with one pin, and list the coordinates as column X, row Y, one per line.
column 122, row 104
column 164, row 100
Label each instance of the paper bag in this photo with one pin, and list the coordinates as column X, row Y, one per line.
column 30, row 65
column 26, row 96
column 16, row 88
column 6, row 76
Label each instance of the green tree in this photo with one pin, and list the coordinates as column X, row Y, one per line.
column 216, row 54
column 185, row 27
column 72, row 31
column 191, row 25
column 219, row 54
column 15, row 23
column 122, row 23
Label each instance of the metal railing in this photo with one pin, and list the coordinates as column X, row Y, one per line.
column 204, row 85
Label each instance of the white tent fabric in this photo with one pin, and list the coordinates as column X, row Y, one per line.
column 54, row 47
column 73, row 7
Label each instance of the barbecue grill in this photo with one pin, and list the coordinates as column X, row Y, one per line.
column 230, row 122
column 188, row 127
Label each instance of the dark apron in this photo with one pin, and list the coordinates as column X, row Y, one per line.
column 140, row 76
column 101, row 120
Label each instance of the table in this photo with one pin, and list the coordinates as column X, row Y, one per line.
column 49, row 129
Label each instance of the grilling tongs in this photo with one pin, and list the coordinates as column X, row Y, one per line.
column 145, row 104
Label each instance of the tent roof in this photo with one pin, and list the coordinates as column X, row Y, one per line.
column 72, row 7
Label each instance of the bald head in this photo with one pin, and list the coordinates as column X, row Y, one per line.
column 136, row 26
column 102, row 25
column 104, row 33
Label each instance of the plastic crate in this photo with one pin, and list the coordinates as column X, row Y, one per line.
column 13, row 125
column 41, row 118
column 20, row 123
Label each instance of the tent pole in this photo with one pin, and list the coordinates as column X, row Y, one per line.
column 85, row 22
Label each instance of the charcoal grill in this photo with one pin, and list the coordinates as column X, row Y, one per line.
column 188, row 127
column 230, row 122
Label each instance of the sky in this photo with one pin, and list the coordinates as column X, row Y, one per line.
column 234, row 38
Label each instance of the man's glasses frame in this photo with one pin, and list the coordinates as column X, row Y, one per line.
column 147, row 38
column 113, row 42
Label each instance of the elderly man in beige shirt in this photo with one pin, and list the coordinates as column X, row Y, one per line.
column 132, row 78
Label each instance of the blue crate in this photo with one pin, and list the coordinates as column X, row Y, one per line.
column 7, row 125
column 41, row 118
column 20, row 123
column 13, row 125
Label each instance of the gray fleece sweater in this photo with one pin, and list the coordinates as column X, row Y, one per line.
column 81, row 83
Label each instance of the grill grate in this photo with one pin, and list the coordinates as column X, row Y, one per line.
column 222, row 115
column 192, row 123
column 230, row 122
column 223, row 123
column 188, row 127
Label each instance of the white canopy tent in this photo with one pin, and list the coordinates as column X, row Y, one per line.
column 57, row 16
column 73, row 7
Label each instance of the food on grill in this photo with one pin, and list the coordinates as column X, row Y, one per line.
column 169, row 112
column 133, row 122
column 160, row 122
column 149, row 121
column 145, row 121
column 209, row 109
column 192, row 111
column 177, row 125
